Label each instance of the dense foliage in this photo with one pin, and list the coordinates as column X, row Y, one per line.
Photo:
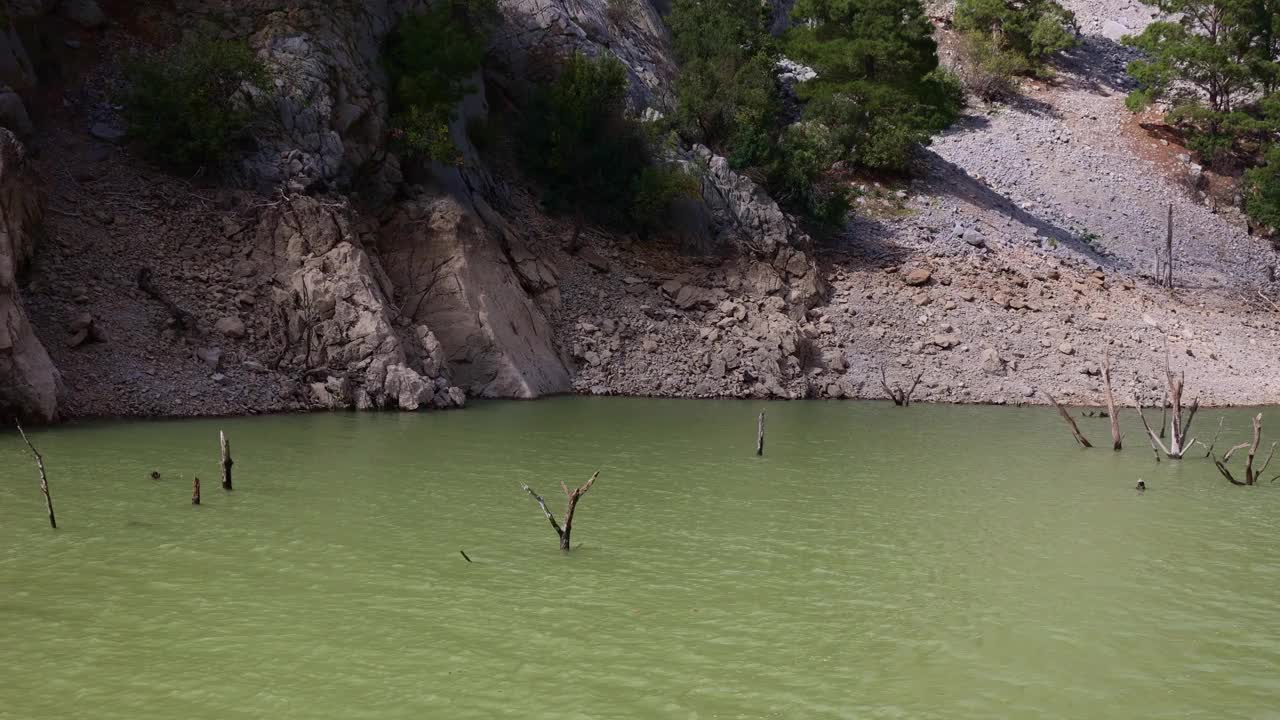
column 430, row 59
column 727, row 95
column 590, row 157
column 1218, row 66
column 879, row 92
column 1005, row 38
column 879, row 88
column 1262, row 190
column 189, row 107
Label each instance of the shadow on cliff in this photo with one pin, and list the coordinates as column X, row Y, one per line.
column 1098, row 65
column 946, row 178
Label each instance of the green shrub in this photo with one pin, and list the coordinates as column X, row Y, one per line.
column 653, row 191
column 808, row 150
column 430, row 59
column 727, row 95
column 1007, row 38
column 578, row 141
column 1262, row 190
column 190, row 106
column 878, row 87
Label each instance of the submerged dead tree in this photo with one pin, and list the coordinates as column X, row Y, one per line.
column 574, row 496
column 44, row 480
column 900, row 397
column 760, row 434
column 1251, row 476
column 1179, row 429
column 1111, row 402
column 1075, row 429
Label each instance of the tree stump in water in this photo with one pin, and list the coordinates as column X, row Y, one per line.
column 900, row 397
column 195, row 491
column 227, row 462
column 760, row 434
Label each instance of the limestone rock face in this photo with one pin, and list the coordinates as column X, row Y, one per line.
column 775, row 250
column 455, row 272
column 633, row 32
column 329, row 94
column 29, row 383
column 340, row 327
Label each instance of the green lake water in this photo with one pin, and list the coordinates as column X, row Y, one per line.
column 877, row 562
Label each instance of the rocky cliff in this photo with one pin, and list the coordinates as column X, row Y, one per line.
column 29, row 383
column 326, row 272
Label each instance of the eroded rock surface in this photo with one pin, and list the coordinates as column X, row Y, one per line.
column 29, row 383
column 450, row 264
column 338, row 325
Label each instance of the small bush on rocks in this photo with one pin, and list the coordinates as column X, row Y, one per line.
column 1007, row 38
column 590, row 157
column 430, row 59
column 1262, row 190
column 190, row 106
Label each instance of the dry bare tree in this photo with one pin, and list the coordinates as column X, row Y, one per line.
column 1251, row 476
column 900, row 397
column 574, row 496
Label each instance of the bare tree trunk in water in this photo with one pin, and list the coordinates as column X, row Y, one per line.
column 1075, row 430
column 44, row 480
column 760, row 434
column 1111, row 403
column 574, row 496
column 1251, row 476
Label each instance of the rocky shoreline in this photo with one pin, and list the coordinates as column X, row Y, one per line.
column 1005, row 272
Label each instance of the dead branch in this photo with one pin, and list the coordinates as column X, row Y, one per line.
column 543, row 504
column 1251, row 476
column 1111, row 402
column 760, row 434
column 1209, row 450
column 1075, row 430
column 899, row 397
column 1156, row 444
column 44, row 480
